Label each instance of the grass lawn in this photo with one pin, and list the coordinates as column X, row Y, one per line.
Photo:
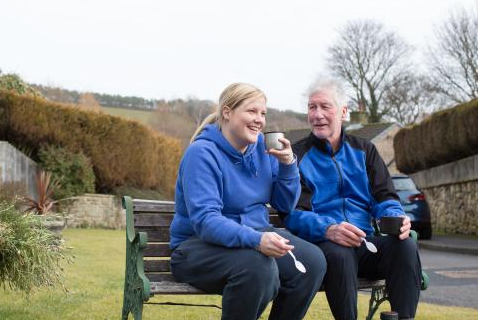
column 95, row 284
column 143, row 116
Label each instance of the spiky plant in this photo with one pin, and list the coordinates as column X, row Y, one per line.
column 30, row 255
column 45, row 188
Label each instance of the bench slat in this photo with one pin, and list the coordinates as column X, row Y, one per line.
column 152, row 206
column 166, row 287
column 157, row 266
column 161, row 277
column 165, row 283
column 156, row 234
column 368, row 284
column 276, row 221
column 164, row 220
column 153, row 219
column 157, row 250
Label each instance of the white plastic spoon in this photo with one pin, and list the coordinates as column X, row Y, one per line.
column 370, row 246
column 298, row 264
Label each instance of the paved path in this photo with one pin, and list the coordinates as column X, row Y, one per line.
column 453, row 278
column 452, row 243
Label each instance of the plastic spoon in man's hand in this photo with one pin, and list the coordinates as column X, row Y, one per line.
column 370, row 246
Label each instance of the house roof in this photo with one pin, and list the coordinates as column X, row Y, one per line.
column 367, row 131
column 297, row 134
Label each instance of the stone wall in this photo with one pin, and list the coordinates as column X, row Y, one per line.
column 453, row 207
column 452, row 193
column 95, row 210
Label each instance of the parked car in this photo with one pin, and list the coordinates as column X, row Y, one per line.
column 415, row 205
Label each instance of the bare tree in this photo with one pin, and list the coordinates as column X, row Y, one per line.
column 170, row 118
column 454, row 56
column 370, row 59
column 410, row 98
column 197, row 109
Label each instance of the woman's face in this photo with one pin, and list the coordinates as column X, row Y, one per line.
column 242, row 125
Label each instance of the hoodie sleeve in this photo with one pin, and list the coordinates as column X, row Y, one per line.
column 201, row 178
column 285, row 185
column 304, row 222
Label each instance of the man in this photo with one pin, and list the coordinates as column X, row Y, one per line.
column 345, row 184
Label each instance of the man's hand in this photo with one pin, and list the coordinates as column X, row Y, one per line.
column 405, row 229
column 273, row 245
column 345, row 234
column 285, row 155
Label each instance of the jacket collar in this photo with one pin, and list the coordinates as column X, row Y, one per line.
column 323, row 145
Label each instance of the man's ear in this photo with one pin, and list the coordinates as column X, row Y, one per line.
column 345, row 110
column 226, row 112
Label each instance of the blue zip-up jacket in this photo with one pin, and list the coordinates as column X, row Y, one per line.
column 221, row 194
column 350, row 185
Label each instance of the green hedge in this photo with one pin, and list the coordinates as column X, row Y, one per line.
column 122, row 152
column 73, row 171
column 448, row 135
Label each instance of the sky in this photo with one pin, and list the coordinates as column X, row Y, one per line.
column 169, row 49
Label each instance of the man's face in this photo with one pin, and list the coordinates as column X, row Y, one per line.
column 325, row 117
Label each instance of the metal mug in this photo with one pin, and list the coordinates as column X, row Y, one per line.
column 271, row 139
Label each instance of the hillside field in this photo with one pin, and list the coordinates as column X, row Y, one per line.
column 143, row 116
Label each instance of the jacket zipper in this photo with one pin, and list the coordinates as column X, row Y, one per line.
column 341, row 187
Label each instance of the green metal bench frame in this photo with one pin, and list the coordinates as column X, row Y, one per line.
column 147, row 239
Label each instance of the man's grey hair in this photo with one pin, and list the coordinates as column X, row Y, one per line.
column 329, row 84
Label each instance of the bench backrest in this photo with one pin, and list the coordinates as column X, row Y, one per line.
column 154, row 218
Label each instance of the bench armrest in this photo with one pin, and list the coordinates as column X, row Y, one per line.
column 136, row 285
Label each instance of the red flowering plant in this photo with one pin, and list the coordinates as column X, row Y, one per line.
column 45, row 188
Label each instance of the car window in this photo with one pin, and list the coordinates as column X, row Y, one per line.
column 402, row 184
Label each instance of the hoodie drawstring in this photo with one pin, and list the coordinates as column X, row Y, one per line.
column 251, row 167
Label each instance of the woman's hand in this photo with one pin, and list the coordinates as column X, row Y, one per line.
column 285, row 155
column 273, row 245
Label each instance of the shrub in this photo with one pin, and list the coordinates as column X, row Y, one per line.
column 73, row 172
column 13, row 82
column 448, row 135
column 12, row 190
column 30, row 255
column 122, row 152
column 136, row 193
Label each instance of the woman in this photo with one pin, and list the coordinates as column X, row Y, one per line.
column 221, row 237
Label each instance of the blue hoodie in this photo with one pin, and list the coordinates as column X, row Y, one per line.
column 221, row 194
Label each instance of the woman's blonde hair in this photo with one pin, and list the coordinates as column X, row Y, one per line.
column 232, row 96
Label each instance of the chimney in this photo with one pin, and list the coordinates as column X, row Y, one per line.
column 358, row 117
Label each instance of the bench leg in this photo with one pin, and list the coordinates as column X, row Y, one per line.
column 137, row 313
column 379, row 295
column 133, row 303
column 136, row 285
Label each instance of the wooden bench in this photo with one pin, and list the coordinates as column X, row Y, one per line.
column 147, row 259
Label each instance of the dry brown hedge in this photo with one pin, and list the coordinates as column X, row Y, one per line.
column 122, row 152
column 448, row 135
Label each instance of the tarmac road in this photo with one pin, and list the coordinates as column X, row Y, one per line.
column 453, row 278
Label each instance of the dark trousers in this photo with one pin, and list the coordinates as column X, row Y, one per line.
column 249, row 280
column 396, row 261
